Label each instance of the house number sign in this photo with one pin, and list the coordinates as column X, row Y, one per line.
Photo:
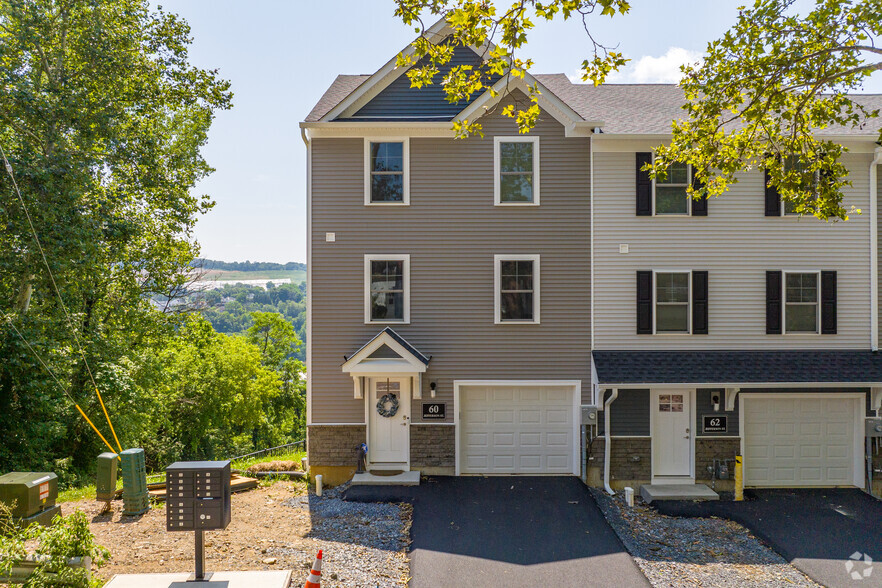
column 434, row 410
column 715, row 423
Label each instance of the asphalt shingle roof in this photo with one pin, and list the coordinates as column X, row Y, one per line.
column 641, row 109
column 737, row 367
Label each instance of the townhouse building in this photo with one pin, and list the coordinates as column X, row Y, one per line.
column 473, row 302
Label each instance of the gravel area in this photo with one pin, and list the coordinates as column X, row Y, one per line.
column 365, row 543
column 277, row 526
column 696, row 552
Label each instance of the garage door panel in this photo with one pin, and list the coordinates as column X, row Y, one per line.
column 529, row 416
column 800, row 440
column 529, row 429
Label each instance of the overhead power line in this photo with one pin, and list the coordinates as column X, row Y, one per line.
column 60, row 300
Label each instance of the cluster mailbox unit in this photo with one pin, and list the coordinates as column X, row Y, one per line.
column 198, row 499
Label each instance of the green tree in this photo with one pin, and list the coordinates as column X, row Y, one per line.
column 758, row 98
column 102, row 119
column 213, row 390
column 763, row 91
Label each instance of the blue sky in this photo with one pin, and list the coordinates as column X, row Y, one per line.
column 281, row 55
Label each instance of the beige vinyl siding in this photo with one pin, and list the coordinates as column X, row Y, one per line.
column 736, row 244
column 451, row 230
column 879, row 227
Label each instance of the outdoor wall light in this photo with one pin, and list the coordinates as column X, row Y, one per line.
column 432, row 387
column 715, row 399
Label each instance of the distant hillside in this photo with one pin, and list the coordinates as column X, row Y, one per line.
column 247, row 266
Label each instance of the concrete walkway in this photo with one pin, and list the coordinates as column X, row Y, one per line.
column 817, row 530
column 509, row 532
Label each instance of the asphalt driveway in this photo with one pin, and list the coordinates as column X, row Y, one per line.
column 509, row 532
column 818, row 531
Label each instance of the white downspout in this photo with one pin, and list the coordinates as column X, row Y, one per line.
column 874, row 251
column 591, row 228
column 606, row 441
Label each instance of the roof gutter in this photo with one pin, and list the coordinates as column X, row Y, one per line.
column 745, row 386
column 607, row 438
column 874, row 250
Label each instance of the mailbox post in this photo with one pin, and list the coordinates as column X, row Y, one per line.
column 198, row 499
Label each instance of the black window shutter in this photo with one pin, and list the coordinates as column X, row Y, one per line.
column 644, row 186
column 699, row 303
column 644, row 303
column 773, row 199
column 699, row 207
column 828, row 303
column 773, row 303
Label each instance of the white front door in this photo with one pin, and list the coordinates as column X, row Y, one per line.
column 672, row 433
column 389, row 436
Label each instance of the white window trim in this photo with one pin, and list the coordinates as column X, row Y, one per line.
column 655, row 301
column 367, row 287
column 497, row 169
column 817, row 330
column 497, row 287
column 405, row 154
column 798, row 215
column 688, row 199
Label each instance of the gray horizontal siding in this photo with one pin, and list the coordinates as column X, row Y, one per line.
column 628, row 415
column 736, row 244
column 451, row 231
column 399, row 100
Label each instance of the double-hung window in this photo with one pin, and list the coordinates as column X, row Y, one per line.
column 672, row 302
column 801, row 302
column 807, row 178
column 386, row 167
column 387, row 288
column 516, row 168
column 671, row 197
column 516, row 288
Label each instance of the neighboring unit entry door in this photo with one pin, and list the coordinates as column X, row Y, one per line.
column 389, row 434
column 672, row 433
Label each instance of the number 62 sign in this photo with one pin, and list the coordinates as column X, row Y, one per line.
column 715, row 423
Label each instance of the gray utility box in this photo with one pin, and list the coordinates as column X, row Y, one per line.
column 873, row 427
column 589, row 415
column 197, row 495
column 105, row 481
column 32, row 492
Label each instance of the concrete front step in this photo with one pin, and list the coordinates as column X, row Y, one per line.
column 650, row 492
column 411, row 478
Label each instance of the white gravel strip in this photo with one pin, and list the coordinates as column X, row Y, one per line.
column 365, row 544
column 710, row 553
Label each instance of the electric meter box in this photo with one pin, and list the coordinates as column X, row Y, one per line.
column 105, row 482
column 32, row 492
column 589, row 414
column 197, row 495
column 873, row 427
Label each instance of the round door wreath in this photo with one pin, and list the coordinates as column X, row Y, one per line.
column 392, row 401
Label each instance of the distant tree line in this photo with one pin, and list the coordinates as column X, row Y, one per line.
column 246, row 266
column 230, row 309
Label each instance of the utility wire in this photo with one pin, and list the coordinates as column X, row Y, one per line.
column 60, row 300
column 57, row 381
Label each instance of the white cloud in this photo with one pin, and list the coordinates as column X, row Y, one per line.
column 652, row 70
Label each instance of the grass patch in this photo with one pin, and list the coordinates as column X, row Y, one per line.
column 244, row 464
column 88, row 491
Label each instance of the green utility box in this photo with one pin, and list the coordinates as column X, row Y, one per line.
column 105, row 483
column 133, row 470
column 33, row 493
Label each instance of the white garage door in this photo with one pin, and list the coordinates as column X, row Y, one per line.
column 517, row 430
column 802, row 440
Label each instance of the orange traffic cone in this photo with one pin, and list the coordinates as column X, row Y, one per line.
column 315, row 574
